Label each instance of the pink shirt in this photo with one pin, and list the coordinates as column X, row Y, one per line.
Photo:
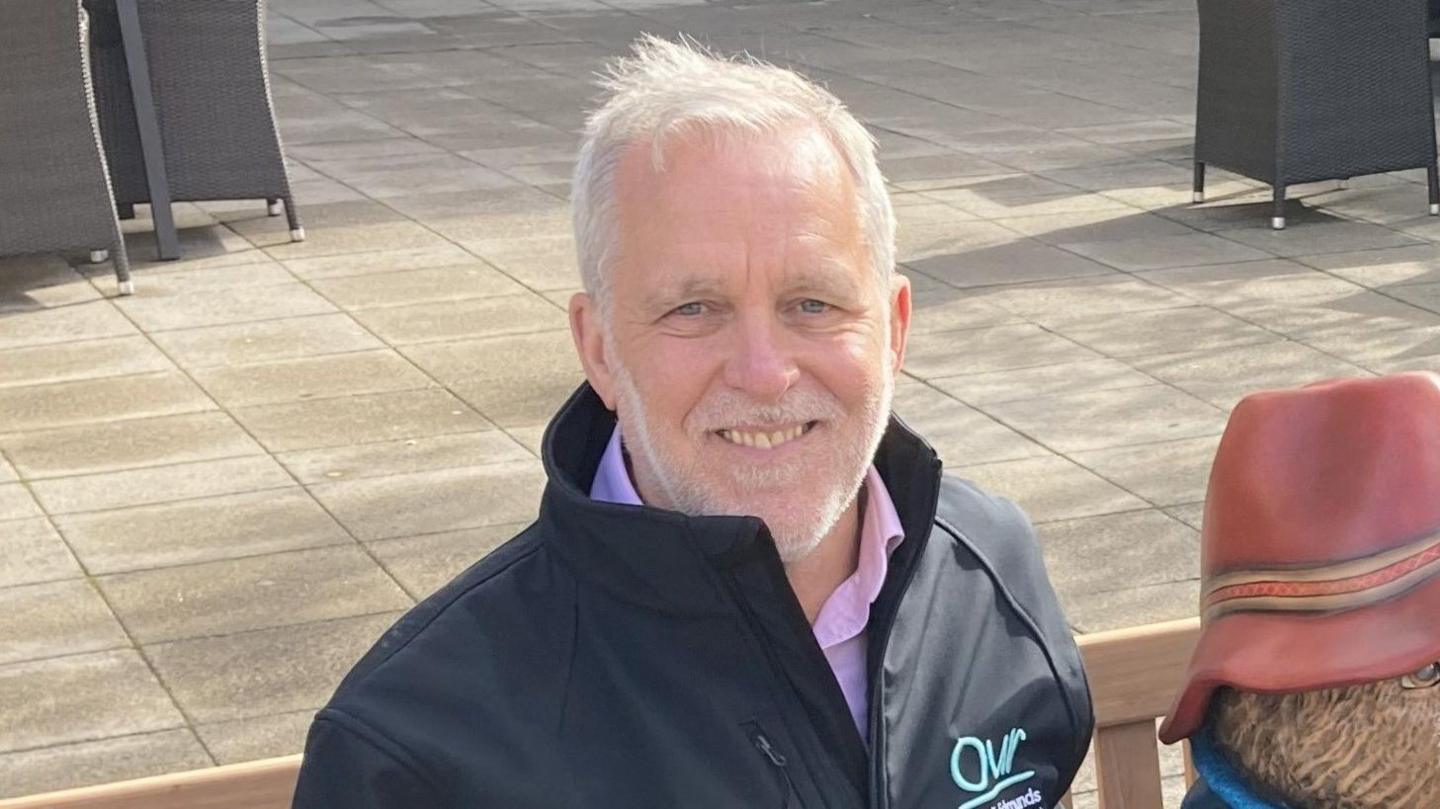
column 840, row 626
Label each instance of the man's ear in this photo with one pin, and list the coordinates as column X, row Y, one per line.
column 587, row 332
column 899, row 319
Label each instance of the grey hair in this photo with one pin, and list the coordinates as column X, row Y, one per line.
column 665, row 88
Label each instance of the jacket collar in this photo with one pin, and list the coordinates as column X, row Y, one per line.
column 662, row 559
column 1223, row 778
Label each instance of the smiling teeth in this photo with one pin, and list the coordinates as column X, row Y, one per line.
column 763, row 440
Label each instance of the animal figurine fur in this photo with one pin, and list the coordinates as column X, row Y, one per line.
column 1338, row 748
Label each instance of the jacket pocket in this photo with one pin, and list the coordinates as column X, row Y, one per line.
column 776, row 761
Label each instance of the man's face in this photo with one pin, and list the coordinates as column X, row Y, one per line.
column 751, row 347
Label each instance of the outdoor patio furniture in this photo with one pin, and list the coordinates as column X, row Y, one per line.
column 1294, row 91
column 211, row 84
column 54, row 192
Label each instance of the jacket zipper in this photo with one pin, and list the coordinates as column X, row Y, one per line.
column 776, row 759
column 879, row 797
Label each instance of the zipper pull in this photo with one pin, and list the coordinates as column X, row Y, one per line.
column 762, row 743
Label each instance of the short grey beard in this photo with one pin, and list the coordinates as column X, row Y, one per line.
column 688, row 498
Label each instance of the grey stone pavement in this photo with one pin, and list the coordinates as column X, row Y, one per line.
column 214, row 495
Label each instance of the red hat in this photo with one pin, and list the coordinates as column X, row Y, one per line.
column 1320, row 560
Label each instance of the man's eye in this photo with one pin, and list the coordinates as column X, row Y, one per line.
column 689, row 309
column 1428, row 677
column 810, row 306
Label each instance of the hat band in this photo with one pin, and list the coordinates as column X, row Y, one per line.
column 1330, row 588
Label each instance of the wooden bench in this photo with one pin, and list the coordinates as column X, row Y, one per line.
column 1134, row 674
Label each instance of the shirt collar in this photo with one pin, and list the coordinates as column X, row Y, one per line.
column 846, row 612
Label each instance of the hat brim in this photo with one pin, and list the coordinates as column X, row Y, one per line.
column 1287, row 652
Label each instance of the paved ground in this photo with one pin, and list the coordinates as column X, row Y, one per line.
column 215, row 494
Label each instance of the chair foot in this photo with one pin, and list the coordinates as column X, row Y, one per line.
column 297, row 234
column 1435, row 210
column 97, row 256
column 273, row 208
column 127, row 288
column 1198, row 196
column 1277, row 222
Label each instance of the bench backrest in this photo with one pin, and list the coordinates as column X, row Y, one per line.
column 1133, row 676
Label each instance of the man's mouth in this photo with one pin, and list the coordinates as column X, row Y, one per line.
column 765, row 439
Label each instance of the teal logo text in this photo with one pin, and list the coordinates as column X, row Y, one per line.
column 978, row 767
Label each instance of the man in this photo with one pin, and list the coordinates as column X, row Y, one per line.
column 748, row 585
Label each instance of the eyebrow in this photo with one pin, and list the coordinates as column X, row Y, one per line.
column 687, row 289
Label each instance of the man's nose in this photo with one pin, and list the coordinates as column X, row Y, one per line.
column 760, row 363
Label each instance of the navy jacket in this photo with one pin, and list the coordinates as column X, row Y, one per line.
column 625, row 657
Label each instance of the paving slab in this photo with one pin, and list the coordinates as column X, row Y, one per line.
column 199, row 530
column 1166, row 474
column 55, row 619
column 1051, row 488
column 1310, row 238
column 1105, row 294
column 1010, row 384
column 384, row 458
column 435, row 285
column 541, row 263
column 423, row 564
column 379, row 261
column 1000, row 348
column 32, row 551
column 64, row 324
column 1140, row 548
column 242, row 740
column 939, row 307
column 16, row 502
column 1160, row 252
column 63, row 404
column 1254, row 283
column 1110, row 418
column 1115, row 609
column 216, row 679
column 1222, row 376
column 81, row 698
column 463, row 319
column 308, row 378
column 63, row 362
column 1009, row 262
column 1386, row 267
column 1142, row 334
column 265, row 341
column 118, row 758
column 128, row 444
column 258, row 592
column 355, row 419
column 440, row 500
column 157, row 311
column 960, row 434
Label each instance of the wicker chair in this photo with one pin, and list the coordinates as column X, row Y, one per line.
column 1294, row 91
column 54, row 192
column 212, row 96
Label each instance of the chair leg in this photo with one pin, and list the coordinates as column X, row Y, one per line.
column 272, row 207
column 122, row 270
column 1277, row 217
column 1199, row 195
column 297, row 231
column 1434, row 180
